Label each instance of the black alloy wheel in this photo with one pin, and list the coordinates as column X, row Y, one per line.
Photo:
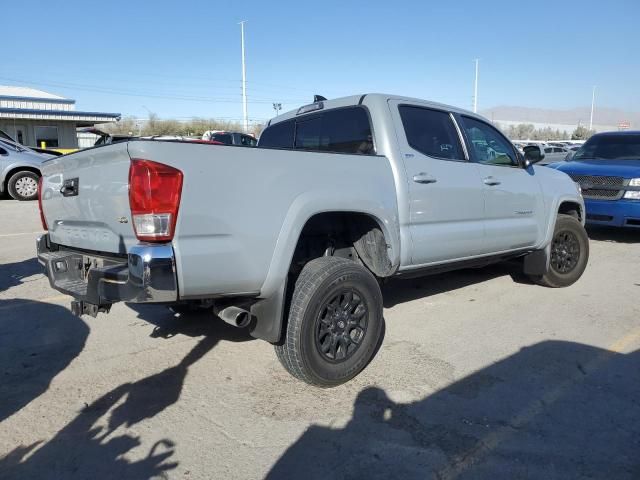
column 569, row 253
column 565, row 251
column 341, row 326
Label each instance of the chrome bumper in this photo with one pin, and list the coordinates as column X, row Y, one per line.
column 146, row 274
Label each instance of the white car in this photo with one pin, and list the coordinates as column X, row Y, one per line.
column 19, row 169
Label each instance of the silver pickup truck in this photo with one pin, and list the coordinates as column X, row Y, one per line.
column 292, row 239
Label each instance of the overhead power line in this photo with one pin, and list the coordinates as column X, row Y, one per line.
column 129, row 93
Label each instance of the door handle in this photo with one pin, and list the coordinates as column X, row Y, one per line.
column 491, row 181
column 424, row 178
column 69, row 187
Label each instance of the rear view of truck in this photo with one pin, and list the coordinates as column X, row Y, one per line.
column 110, row 221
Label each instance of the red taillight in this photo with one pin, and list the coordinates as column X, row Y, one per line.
column 154, row 198
column 42, row 219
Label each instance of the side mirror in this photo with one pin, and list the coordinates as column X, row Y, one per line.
column 533, row 154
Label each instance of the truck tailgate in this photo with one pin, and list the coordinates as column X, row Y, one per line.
column 85, row 199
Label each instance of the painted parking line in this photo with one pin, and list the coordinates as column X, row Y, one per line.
column 3, row 235
column 489, row 443
column 23, row 302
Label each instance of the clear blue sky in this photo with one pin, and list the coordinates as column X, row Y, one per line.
column 182, row 59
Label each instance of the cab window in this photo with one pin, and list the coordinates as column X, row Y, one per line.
column 343, row 130
column 340, row 130
column 431, row 132
column 487, row 145
column 279, row 135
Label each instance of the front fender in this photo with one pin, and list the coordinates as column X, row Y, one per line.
column 557, row 188
column 555, row 206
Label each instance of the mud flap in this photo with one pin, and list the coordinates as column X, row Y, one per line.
column 537, row 263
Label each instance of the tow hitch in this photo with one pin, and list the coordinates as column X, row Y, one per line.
column 79, row 308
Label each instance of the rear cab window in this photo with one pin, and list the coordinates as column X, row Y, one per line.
column 279, row 135
column 431, row 132
column 340, row 130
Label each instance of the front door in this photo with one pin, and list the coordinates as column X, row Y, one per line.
column 512, row 195
column 446, row 204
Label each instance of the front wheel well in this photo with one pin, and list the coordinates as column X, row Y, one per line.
column 571, row 208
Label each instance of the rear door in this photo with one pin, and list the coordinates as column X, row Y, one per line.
column 512, row 195
column 446, row 203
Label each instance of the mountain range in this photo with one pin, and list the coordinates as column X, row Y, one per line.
column 601, row 115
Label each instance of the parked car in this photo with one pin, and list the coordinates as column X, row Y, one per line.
column 291, row 239
column 607, row 167
column 5, row 137
column 554, row 154
column 230, row 138
column 572, row 149
column 19, row 168
column 105, row 138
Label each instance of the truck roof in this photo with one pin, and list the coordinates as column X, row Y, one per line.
column 359, row 99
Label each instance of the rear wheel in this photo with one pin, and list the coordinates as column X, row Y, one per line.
column 335, row 322
column 569, row 253
column 23, row 185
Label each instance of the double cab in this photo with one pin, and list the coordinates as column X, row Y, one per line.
column 292, row 239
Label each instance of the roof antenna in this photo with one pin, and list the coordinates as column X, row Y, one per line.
column 318, row 98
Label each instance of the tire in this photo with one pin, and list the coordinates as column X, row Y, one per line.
column 335, row 322
column 23, row 185
column 569, row 253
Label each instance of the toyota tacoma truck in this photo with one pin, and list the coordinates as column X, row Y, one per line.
column 292, row 239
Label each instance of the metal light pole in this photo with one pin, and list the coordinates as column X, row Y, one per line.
column 277, row 107
column 244, row 81
column 593, row 101
column 475, row 90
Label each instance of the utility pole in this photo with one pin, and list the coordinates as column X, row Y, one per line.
column 475, row 90
column 593, row 101
column 244, row 82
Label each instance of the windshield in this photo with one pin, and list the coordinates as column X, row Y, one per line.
column 5, row 136
column 13, row 145
column 610, row 147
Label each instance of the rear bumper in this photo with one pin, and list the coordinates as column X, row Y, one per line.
column 146, row 274
column 615, row 213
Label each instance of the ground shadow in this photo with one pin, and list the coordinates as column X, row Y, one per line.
column 556, row 410
column 400, row 290
column 12, row 274
column 93, row 445
column 612, row 234
column 37, row 341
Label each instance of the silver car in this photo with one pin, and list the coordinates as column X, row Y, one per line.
column 19, row 169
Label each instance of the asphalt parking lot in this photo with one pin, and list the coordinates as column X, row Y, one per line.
column 480, row 375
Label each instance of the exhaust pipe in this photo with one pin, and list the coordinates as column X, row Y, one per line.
column 238, row 317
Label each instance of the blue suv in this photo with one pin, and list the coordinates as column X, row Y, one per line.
column 607, row 167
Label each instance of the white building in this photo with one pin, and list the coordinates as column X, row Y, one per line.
column 37, row 118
